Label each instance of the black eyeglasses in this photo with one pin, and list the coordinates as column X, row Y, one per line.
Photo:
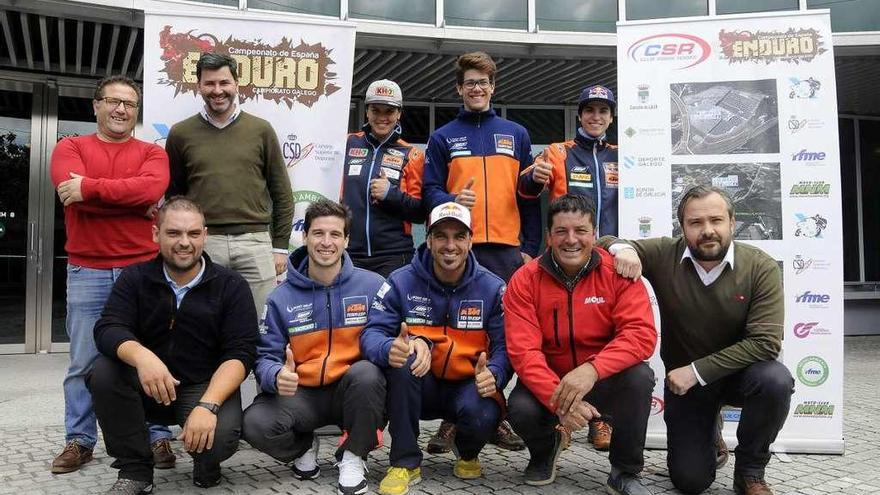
column 114, row 102
column 472, row 83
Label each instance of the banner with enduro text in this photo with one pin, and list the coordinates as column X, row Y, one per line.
column 747, row 103
column 294, row 73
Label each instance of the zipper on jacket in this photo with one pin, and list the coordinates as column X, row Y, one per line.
column 329, row 336
column 574, row 363
column 446, row 333
column 173, row 309
column 485, row 177
column 599, row 177
column 369, row 179
column 556, row 326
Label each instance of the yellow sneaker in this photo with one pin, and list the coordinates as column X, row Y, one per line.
column 399, row 479
column 467, row 470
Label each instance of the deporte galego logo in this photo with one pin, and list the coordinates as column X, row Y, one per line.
column 676, row 49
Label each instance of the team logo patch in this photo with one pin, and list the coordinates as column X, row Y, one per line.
column 504, row 144
column 355, row 310
column 394, row 152
column 391, row 173
column 383, row 290
column 611, row 177
column 393, row 161
column 358, row 152
column 355, row 170
column 470, row 314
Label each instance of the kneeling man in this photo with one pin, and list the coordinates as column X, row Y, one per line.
column 722, row 307
column 578, row 335
column 309, row 364
column 177, row 336
column 437, row 328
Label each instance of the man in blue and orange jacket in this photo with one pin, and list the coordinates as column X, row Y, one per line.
column 382, row 184
column 585, row 165
column 309, row 364
column 475, row 161
column 437, row 329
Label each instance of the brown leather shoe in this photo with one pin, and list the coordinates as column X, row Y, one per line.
column 163, row 456
column 441, row 442
column 71, row 458
column 600, row 434
column 505, row 438
column 722, row 453
column 750, row 485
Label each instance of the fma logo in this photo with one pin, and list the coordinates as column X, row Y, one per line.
column 808, row 156
column 681, row 49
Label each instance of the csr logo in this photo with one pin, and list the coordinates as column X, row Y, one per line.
column 682, row 49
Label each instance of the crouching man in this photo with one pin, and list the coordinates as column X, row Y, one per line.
column 309, row 364
column 177, row 336
column 437, row 328
column 578, row 334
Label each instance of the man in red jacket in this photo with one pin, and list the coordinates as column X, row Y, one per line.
column 107, row 182
column 571, row 373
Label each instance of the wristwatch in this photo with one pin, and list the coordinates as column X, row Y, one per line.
column 214, row 408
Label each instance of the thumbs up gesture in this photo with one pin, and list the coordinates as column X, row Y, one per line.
column 542, row 171
column 379, row 186
column 484, row 378
column 287, row 379
column 467, row 197
column 401, row 348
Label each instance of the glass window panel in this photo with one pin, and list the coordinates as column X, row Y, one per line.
column 421, row 11
column 354, row 121
column 415, row 124
column 744, row 6
column 231, row 3
column 545, row 126
column 869, row 134
column 15, row 158
column 850, row 15
column 576, row 15
column 317, row 7
column 444, row 115
column 508, row 14
column 658, row 9
column 76, row 117
column 848, row 194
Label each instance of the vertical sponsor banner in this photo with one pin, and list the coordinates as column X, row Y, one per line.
column 747, row 103
column 294, row 73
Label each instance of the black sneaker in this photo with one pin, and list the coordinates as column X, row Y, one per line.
column 620, row 483
column 542, row 462
column 125, row 486
column 206, row 476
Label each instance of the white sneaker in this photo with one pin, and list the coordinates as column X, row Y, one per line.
column 352, row 480
column 305, row 467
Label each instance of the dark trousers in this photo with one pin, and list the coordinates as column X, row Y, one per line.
column 383, row 265
column 122, row 408
column 282, row 426
column 623, row 399
column 763, row 390
column 500, row 259
column 411, row 398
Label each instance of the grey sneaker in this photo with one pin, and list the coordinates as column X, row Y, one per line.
column 125, row 486
column 620, row 483
column 305, row 467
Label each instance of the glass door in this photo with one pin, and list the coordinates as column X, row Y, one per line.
column 21, row 109
column 75, row 117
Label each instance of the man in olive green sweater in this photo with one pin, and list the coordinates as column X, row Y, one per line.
column 721, row 304
column 229, row 161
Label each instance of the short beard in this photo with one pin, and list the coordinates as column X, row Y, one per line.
column 700, row 256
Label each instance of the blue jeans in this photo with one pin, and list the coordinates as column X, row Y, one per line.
column 87, row 291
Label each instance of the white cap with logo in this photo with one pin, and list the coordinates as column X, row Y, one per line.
column 450, row 210
column 385, row 92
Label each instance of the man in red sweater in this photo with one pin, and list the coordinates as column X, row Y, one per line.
column 108, row 182
column 577, row 335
